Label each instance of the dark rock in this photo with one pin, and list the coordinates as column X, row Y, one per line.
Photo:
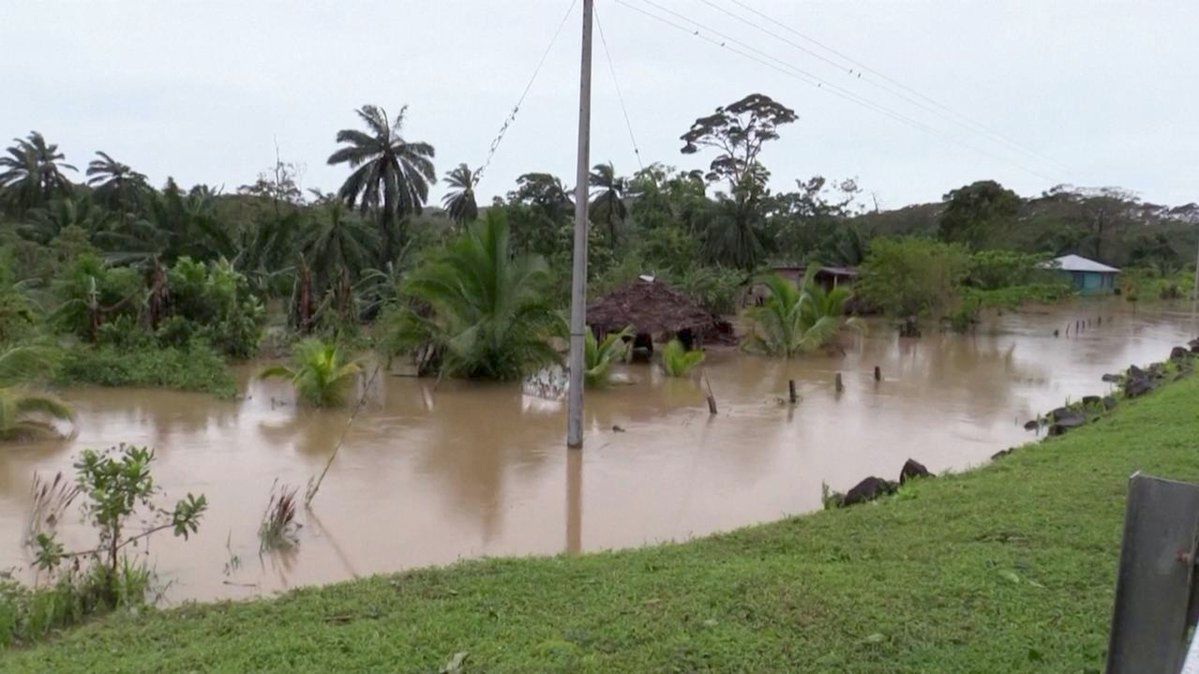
column 1090, row 400
column 1180, row 353
column 1032, row 424
column 911, row 470
column 1194, row 344
column 617, row 429
column 1002, row 453
column 1109, row 403
column 1060, row 412
column 1137, row 386
column 1112, row 378
column 868, row 490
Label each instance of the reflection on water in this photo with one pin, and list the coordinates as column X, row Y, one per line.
column 430, row 473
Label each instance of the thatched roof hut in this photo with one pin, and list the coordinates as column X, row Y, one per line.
column 651, row 307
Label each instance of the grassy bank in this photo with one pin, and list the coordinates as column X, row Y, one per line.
column 1008, row 568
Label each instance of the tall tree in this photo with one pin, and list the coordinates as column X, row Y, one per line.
column 607, row 198
column 737, row 131
column 391, row 175
column 459, row 201
column 543, row 190
column 33, row 172
column 974, row 213
column 116, row 185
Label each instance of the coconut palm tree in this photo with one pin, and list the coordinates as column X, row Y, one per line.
column 391, row 175
column 318, row 371
column 476, row 310
column 117, row 185
column 677, row 361
column 598, row 356
column 32, row 172
column 20, row 408
column 795, row 320
column 459, row 201
column 607, row 198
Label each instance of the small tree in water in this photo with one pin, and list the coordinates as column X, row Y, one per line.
column 319, row 372
column 795, row 320
column 677, row 361
column 116, row 482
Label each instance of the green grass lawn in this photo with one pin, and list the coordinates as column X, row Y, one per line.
column 1004, row 569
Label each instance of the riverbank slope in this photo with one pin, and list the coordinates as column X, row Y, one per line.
column 1007, row 568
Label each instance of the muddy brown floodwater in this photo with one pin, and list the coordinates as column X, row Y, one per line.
column 432, row 475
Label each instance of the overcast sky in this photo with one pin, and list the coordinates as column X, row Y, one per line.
column 1093, row 93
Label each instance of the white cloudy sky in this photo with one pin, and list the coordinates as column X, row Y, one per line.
column 1105, row 93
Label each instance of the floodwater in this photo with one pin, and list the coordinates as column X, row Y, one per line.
column 430, row 474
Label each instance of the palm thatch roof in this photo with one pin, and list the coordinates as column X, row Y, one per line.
column 650, row 306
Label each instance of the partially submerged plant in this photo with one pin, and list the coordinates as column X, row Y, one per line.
column 795, row 320
column 319, row 372
column 22, row 410
column 677, row 361
column 50, row 501
column 598, row 356
column 279, row 528
column 116, row 482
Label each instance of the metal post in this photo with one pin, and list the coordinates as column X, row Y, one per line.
column 578, row 280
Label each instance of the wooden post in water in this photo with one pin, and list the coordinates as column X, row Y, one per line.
column 878, row 373
column 838, row 384
column 711, row 397
column 791, row 390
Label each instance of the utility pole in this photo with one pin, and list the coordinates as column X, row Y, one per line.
column 1195, row 288
column 578, row 280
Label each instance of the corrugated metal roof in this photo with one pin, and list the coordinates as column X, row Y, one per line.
column 1080, row 263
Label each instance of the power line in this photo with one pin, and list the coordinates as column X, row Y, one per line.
column 924, row 101
column 495, row 144
column 619, row 96
column 791, row 70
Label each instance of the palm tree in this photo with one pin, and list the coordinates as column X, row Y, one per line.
column 337, row 242
column 19, row 407
column 794, row 319
column 33, row 172
column 677, row 361
column 607, row 201
column 319, row 372
column 390, row 174
column 598, row 356
column 47, row 222
column 476, row 310
column 116, row 184
column 459, row 201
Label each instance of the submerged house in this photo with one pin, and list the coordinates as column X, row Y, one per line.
column 1088, row 276
column 656, row 311
column 827, row 277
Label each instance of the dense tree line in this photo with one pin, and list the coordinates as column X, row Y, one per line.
column 103, row 252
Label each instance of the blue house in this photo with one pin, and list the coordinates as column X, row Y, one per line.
column 1088, row 276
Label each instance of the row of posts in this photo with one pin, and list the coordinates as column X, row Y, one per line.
column 838, row 383
column 1080, row 326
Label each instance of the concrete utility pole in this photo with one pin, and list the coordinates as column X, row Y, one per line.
column 1195, row 289
column 578, row 280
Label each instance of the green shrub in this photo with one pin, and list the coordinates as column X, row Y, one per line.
column 194, row 367
column 677, row 361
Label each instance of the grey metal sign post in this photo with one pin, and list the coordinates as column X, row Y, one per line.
column 1155, row 589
